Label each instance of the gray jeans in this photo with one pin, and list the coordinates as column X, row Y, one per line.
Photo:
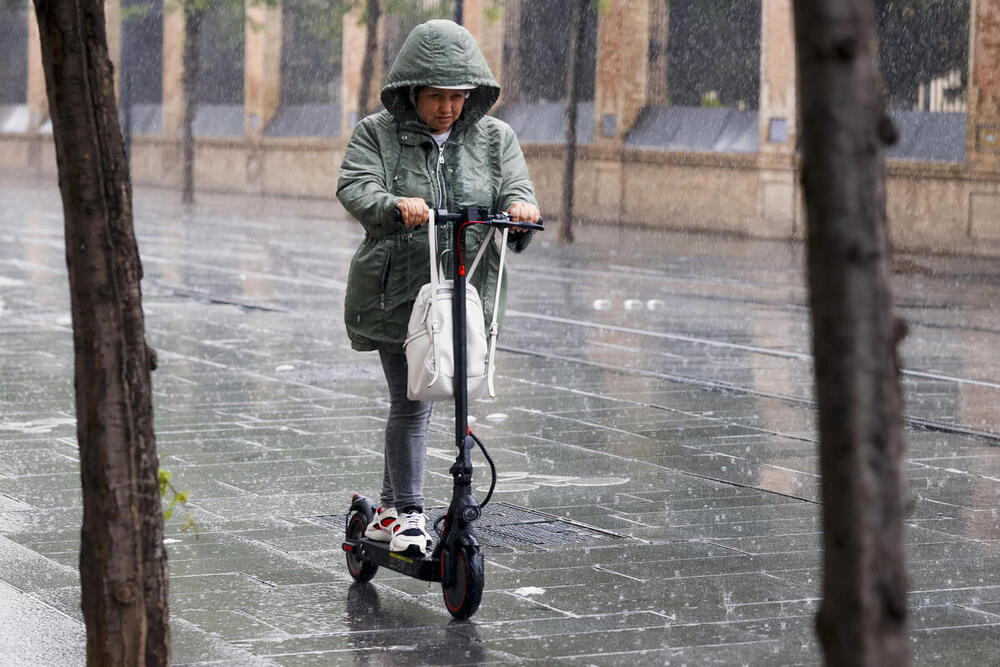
column 405, row 438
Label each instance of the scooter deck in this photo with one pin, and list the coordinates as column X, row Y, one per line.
column 424, row 568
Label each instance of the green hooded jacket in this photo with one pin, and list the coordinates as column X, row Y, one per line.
column 393, row 155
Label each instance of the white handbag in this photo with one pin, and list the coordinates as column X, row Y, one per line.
column 429, row 344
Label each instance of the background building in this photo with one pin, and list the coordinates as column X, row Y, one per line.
column 688, row 114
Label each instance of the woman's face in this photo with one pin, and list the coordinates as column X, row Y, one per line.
column 439, row 108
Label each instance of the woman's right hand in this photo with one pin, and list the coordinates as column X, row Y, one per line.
column 414, row 210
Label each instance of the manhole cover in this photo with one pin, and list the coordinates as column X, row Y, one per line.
column 506, row 525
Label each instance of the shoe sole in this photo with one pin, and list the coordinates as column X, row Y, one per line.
column 411, row 551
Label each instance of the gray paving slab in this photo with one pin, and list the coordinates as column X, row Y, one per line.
column 654, row 385
column 22, row 645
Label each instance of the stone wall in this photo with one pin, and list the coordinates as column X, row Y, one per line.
column 950, row 208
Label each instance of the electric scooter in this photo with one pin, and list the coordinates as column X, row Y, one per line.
column 457, row 560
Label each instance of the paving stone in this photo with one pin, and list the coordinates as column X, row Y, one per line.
column 29, row 571
column 21, row 645
column 979, row 645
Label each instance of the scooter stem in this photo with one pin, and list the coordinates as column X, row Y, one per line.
column 458, row 328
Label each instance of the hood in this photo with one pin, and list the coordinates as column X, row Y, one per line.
column 440, row 53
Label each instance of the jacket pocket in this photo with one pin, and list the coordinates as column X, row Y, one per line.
column 366, row 287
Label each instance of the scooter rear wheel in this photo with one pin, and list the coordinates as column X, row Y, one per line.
column 359, row 568
column 462, row 598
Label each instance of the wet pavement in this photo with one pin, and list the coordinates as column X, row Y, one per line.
column 654, row 390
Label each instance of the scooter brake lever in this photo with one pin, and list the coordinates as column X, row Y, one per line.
column 519, row 225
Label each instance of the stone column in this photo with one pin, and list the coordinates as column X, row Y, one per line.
column 38, row 101
column 777, row 116
column 488, row 28
column 262, row 70
column 657, row 84
column 982, row 144
column 620, row 92
column 113, row 30
column 509, row 75
column 777, row 120
column 982, row 148
column 173, row 70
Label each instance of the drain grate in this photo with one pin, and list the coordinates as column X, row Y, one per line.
column 506, row 525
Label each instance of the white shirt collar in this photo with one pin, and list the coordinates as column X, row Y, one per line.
column 443, row 137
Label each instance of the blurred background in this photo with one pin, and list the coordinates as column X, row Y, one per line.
column 686, row 108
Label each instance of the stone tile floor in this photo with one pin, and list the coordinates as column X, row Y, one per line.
column 656, row 386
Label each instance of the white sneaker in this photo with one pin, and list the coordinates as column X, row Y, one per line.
column 380, row 529
column 409, row 535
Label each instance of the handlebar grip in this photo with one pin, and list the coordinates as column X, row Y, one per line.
column 441, row 215
column 537, row 226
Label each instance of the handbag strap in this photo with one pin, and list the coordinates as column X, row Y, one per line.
column 482, row 250
column 503, row 254
column 494, row 329
column 432, row 247
column 496, row 296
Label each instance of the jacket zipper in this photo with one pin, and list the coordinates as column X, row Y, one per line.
column 440, row 186
column 442, row 201
column 385, row 282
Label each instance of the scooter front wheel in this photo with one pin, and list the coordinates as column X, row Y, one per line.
column 463, row 596
column 359, row 568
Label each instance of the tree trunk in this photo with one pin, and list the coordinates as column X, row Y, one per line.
column 192, row 72
column 123, row 568
column 863, row 616
column 373, row 12
column 576, row 40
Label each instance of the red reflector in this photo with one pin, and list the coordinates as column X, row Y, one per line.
column 461, row 269
column 348, row 547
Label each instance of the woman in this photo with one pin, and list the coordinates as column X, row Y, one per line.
column 432, row 147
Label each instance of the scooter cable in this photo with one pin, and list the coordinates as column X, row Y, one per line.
column 493, row 483
column 493, row 470
column 461, row 260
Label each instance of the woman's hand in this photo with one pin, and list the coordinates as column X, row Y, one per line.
column 414, row 210
column 521, row 211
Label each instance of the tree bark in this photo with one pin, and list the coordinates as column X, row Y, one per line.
column 863, row 616
column 576, row 40
column 373, row 12
column 123, row 568
column 192, row 73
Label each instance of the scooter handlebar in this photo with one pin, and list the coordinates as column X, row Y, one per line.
column 501, row 220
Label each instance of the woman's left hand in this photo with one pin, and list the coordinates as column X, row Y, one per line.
column 521, row 211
